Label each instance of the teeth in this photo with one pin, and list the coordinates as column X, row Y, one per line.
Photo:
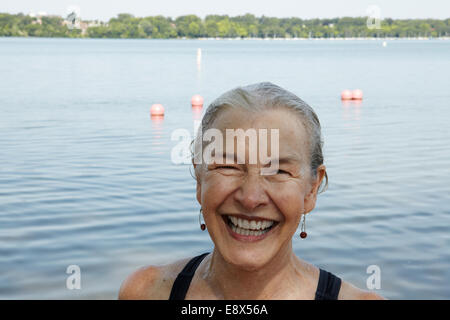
column 250, row 225
column 246, row 232
column 233, row 220
column 243, row 223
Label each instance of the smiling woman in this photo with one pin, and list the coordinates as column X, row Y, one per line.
column 252, row 215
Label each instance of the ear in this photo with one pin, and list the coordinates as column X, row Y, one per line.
column 199, row 187
column 199, row 192
column 311, row 197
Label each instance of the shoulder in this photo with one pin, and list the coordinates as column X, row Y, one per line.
column 350, row 292
column 151, row 282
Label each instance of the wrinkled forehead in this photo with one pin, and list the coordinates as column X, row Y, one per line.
column 279, row 128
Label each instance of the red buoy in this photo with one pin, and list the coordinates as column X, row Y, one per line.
column 197, row 100
column 346, row 95
column 157, row 110
column 357, row 94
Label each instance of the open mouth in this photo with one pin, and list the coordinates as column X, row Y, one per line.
column 249, row 228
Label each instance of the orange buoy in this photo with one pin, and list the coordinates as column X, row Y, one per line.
column 157, row 110
column 346, row 95
column 357, row 94
column 197, row 100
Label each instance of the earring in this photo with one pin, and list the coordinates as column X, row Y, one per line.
column 202, row 225
column 303, row 233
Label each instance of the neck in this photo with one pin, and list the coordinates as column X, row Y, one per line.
column 228, row 281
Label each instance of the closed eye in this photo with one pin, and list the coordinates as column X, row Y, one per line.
column 282, row 172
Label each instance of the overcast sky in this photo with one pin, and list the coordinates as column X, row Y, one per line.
column 105, row 9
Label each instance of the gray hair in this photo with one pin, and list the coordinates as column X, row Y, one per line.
column 262, row 96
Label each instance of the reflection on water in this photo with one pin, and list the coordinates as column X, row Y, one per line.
column 157, row 134
column 157, row 122
column 352, row 112
column 87, row 178
column 197, row 113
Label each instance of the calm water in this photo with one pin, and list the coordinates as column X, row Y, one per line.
column 86, row 176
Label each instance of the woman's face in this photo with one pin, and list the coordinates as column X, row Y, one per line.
column 251, row 217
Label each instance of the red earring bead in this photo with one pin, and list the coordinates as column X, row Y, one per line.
column 303, row 234
column 203, row 226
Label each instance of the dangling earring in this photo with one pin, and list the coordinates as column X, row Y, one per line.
column 202, row 225
column 303, row 233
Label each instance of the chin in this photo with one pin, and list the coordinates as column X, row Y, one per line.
column 247, row 259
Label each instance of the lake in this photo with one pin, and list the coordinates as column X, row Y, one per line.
column 86, row 176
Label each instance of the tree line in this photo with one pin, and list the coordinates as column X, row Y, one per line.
column 221, row 26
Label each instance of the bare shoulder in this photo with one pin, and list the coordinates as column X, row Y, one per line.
column 350, row 292
column 151, row 282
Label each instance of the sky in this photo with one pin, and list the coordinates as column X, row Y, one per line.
column 106, row 9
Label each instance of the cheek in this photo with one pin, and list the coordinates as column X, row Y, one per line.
column 289, row 199
column 215, row 189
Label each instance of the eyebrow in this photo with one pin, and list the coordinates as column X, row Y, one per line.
column 285, row 160
column 225, row 156
column 288, row 159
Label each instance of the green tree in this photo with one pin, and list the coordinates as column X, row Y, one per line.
column 127, row 26
column 185, row 28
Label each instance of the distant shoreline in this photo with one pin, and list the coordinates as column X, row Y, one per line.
column 244, row 39
column 331, row 39
column 223, row 27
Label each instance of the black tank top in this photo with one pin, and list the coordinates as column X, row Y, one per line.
column 327, row 288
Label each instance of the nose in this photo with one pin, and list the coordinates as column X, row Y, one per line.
column 252, row 194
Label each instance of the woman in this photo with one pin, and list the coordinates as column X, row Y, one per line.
column 252, row 215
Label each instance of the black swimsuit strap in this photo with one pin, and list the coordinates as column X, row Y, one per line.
column 184, row 278
column 328, row 286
